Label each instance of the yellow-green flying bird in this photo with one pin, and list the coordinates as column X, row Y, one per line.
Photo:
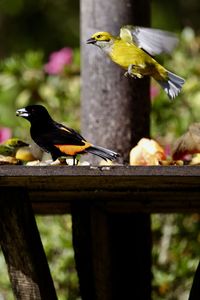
column 133, row 50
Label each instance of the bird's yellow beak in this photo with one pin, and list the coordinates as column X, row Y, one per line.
column 91, row 41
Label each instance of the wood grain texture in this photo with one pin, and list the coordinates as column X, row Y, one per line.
column 20, row 242
column 136, row 189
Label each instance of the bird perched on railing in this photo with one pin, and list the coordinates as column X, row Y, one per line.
column 133, row 50
column 11, row 146
column 12, row 151
column 57, row 139
column 188, row 143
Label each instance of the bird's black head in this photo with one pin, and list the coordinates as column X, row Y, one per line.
column 34, row 113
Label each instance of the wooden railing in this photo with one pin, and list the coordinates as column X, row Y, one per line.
column 106, row 203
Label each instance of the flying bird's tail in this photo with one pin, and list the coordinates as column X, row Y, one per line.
column 102, row 152
column 172, row 86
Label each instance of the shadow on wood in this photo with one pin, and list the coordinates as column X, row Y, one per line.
column 112, row 252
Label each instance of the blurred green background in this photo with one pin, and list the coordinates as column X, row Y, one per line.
column 30, row 30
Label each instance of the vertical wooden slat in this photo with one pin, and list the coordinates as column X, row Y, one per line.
column 92, row 251
column 82, row 243
column 110, row 261
column 23, row 251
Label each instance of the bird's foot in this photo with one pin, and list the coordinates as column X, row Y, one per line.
column 59, row 161
column 133, row 71
column 129, row 72
column 63, row 160
column 75, row 161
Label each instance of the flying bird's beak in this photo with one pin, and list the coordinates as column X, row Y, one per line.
column 91, row 41
column 22, row 112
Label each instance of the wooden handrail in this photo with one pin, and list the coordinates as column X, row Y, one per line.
column 144, row 189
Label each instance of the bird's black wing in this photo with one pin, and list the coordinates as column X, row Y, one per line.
column 63, row 135
column 53, row 134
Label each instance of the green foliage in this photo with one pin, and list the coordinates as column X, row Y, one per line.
column 38, row 24
column 5, row 286
column 176, row 235
column 171, row 119
column 176, row 15
column 57, row 241
column 175, row 255
column 23, row 81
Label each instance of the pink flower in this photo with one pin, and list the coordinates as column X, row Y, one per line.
column 5, row 133
column 58, row 60
column 154, row 91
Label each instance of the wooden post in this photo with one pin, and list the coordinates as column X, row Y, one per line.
column 110, row 261
column 92, row 252
column 115, row 109
column 115, row 114
column 20, row 241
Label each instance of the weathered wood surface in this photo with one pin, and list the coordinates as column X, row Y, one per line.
column 136, row 189
column 20, row 242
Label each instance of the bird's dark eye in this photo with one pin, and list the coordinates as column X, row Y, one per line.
column 98, row 36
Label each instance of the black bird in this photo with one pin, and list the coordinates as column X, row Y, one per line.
column 57, row 139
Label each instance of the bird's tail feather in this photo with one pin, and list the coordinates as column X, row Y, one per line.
column 173, row 85
column 102, row 152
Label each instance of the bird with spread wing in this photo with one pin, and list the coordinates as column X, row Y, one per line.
column 134, row 49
